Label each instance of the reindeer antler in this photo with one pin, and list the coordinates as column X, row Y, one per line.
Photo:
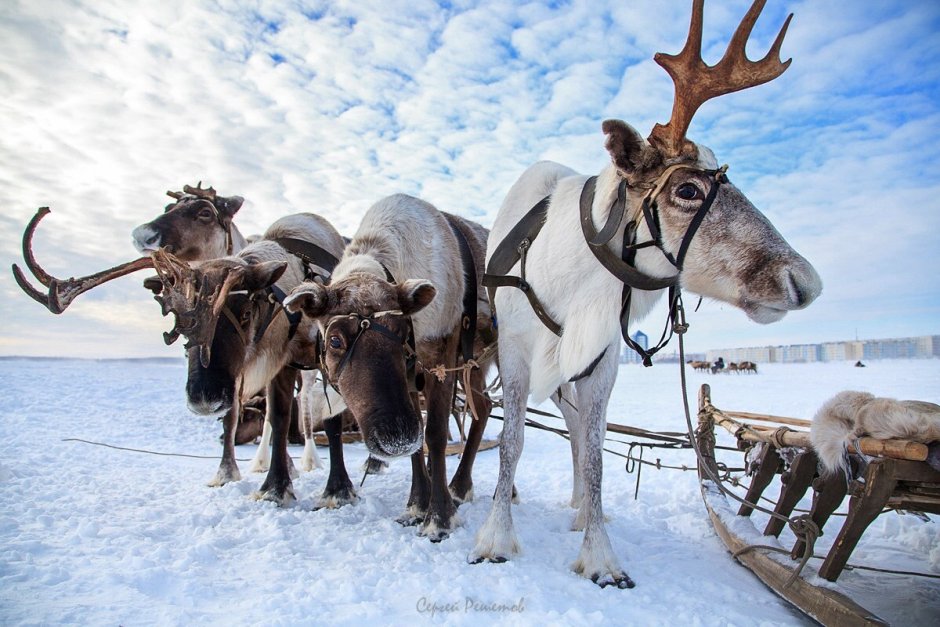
column 695, row 82
column 193, row 299
column 62, row 292
column 207, row 193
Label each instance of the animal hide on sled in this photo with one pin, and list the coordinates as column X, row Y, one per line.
column 850, row 415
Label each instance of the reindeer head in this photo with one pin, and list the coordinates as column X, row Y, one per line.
column 677, row 190
column 197, row 226
column 365, row 324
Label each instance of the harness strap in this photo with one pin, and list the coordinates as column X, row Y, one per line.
column 308, row 252
column 627, row 274
column 513, row 249
column 275, row 297
column 468, row 321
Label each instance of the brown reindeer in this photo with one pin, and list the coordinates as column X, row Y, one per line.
column 198, row 226
column 747, row 366
column 273, row 343
column 405, row 275
column 239, row 340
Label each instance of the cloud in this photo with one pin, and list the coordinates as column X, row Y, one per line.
column 328, row 106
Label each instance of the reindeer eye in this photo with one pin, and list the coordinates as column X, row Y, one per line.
column 335, row 342
column 205, row 214
column 688, row 191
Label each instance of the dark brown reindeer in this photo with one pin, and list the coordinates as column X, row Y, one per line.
column 662, row 214
column 197, row 227
column 239, row 339
column 406, row 274
column 248, row 289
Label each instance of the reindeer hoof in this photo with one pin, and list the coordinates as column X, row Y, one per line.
column 621, row 581
column 436, row 529
column 461, row 494
column 225, row 475
column 283, row 499
column 337, row 499
column 482, row 559
column 409, row 520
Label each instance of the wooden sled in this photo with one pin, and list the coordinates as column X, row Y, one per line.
column 896, row 478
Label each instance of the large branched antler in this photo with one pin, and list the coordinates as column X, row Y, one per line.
column 194, row 299
column 61, row 292
column 695, row 82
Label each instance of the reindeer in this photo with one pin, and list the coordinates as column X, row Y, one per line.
column 239, row 339
column 406, row 277
column 747, row 366
column 682, row 224
column 197, row 227
column 700, row 366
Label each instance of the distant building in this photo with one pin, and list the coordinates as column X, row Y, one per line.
column 922, row 347
column 630, row 356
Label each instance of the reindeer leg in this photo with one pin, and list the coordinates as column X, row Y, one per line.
column 597, row 560
column 339, row 489
column 461, row 486
column 277, row 486
column 262, row 458
column 566, row 401
column 228, row 467
column 439, row 394
column 496, row 541
column 420, row 494
column 307, row 397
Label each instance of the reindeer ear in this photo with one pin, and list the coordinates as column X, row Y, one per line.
column 310, row 298
column 629, row 151
column 264, row 274
column 230, row 205
column 414, row 295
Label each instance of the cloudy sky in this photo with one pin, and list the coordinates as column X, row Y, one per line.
column 329, row 106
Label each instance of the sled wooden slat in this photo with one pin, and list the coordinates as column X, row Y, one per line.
column 896, row 449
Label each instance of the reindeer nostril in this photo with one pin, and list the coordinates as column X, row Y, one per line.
column 798, row 295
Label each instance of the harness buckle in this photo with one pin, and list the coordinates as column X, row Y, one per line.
column 365, row 323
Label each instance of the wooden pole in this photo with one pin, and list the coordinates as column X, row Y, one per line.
column 895, row 449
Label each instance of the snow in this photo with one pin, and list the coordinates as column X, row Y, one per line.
column 92, row 535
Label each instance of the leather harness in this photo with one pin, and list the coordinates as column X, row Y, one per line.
column 514, row 247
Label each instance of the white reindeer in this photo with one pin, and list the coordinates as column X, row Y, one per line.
column 735, row 256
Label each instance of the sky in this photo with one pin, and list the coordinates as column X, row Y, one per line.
column 329, row 106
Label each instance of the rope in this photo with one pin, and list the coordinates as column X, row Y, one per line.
column 807, row 533
column 148, row 452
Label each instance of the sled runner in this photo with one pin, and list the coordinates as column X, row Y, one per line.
column 887, row 474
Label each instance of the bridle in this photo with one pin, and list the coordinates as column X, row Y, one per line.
column 624, row 267
column 365, row 324
column 514, row 248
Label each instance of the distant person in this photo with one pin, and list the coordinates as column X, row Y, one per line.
column 859, row 364
column 719, row 365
